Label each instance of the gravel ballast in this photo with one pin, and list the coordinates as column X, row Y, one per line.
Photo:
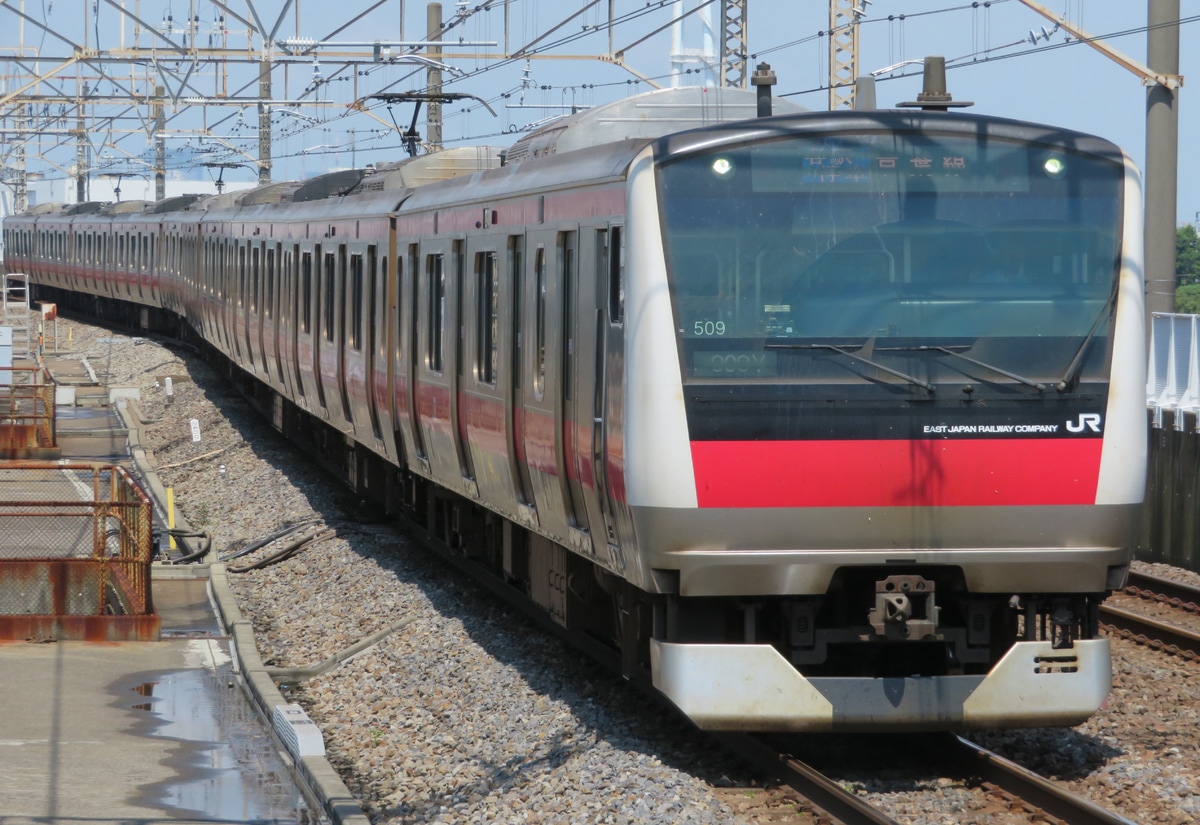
column 468, row 713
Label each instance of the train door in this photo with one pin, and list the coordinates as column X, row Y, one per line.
column 458, row 378
column 344, row 296
column 254, row 309
column 412, row 318
column 324, row 356
column 514, row 406
column 376, row 327
column 266, row 314
column 305, row 347
column 434, row 323
column 274, row 302
column 386, row 332
column 574, row 397
column 538, row 417
column 220, row 288
column 607, row 376
column 354, row 372
column 241, row 301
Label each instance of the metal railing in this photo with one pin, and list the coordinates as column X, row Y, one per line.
column 1173, row 375
column 27, row 396
column 75, row 539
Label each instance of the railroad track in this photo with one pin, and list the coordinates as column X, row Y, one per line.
column 1155, row 633
column 1000, row 780
column 1183, row 596
column 1023, row 790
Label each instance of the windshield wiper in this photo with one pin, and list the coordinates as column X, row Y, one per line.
column 1029, row 382
column 1077, row 362
column 863, row 359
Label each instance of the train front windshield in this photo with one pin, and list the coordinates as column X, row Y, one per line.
column 896, row 247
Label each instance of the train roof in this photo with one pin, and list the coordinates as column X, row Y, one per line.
column 176, row 203
column 431, row 168
column 892, row 120
column 125, row 207
column 647, row 116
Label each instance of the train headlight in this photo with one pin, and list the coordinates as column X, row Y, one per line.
column 722, row 167
column 1054, row 167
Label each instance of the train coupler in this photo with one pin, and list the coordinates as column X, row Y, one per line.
column 905, row 608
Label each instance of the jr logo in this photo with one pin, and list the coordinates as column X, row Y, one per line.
column 1087, row 421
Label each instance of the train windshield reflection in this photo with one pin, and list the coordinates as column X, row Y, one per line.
column 922, row 238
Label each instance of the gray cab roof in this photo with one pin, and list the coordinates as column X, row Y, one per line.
column 648, row 115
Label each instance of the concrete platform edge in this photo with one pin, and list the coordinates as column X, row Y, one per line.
column 331, row 792
column 340, row 805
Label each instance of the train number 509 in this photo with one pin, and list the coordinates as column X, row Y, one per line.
column 708, row 328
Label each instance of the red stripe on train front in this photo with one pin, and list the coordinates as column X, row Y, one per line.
column 949, row 473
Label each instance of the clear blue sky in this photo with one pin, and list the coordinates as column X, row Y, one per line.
column 1073, row 86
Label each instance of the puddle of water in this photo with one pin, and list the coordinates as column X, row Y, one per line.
column 73, row 413
column 228, row 768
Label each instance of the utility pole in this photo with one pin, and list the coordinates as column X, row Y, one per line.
column 1162, row 140
column 1162, row 156
column 433, row 110
column 264, row 119
column 81, row 157
column 21, row 184
column 843, row 52
column 735, row 72
column 160, row 145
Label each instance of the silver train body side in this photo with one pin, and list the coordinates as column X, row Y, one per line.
column 821, row 421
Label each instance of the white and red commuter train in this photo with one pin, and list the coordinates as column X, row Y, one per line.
column 824, row 421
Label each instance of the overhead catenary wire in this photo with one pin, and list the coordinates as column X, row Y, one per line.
column 471, row 15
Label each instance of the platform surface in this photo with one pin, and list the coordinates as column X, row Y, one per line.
column 138, row 732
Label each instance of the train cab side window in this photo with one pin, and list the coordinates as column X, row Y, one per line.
column 539, row 344
column 306, row 283
column 435, row 273
column 488, row 282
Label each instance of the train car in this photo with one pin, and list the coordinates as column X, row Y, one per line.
column 822, row 421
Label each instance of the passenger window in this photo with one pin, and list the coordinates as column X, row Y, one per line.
column 616, row 275
column 539, row 275
column 306, row 278
column 488, row 282
column 255, row 274
column 355, row 295
column 328, row 294
column 272, row 258
column 436, row 311
column 516, row 260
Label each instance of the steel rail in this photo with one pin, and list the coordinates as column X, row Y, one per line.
column 1145, row 630
column 1030, row 787
column 1177, row 594
column 807, row 781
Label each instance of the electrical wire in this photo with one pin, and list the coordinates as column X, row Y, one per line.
column 197, row 555
column 287, row 551
column 250, row 548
